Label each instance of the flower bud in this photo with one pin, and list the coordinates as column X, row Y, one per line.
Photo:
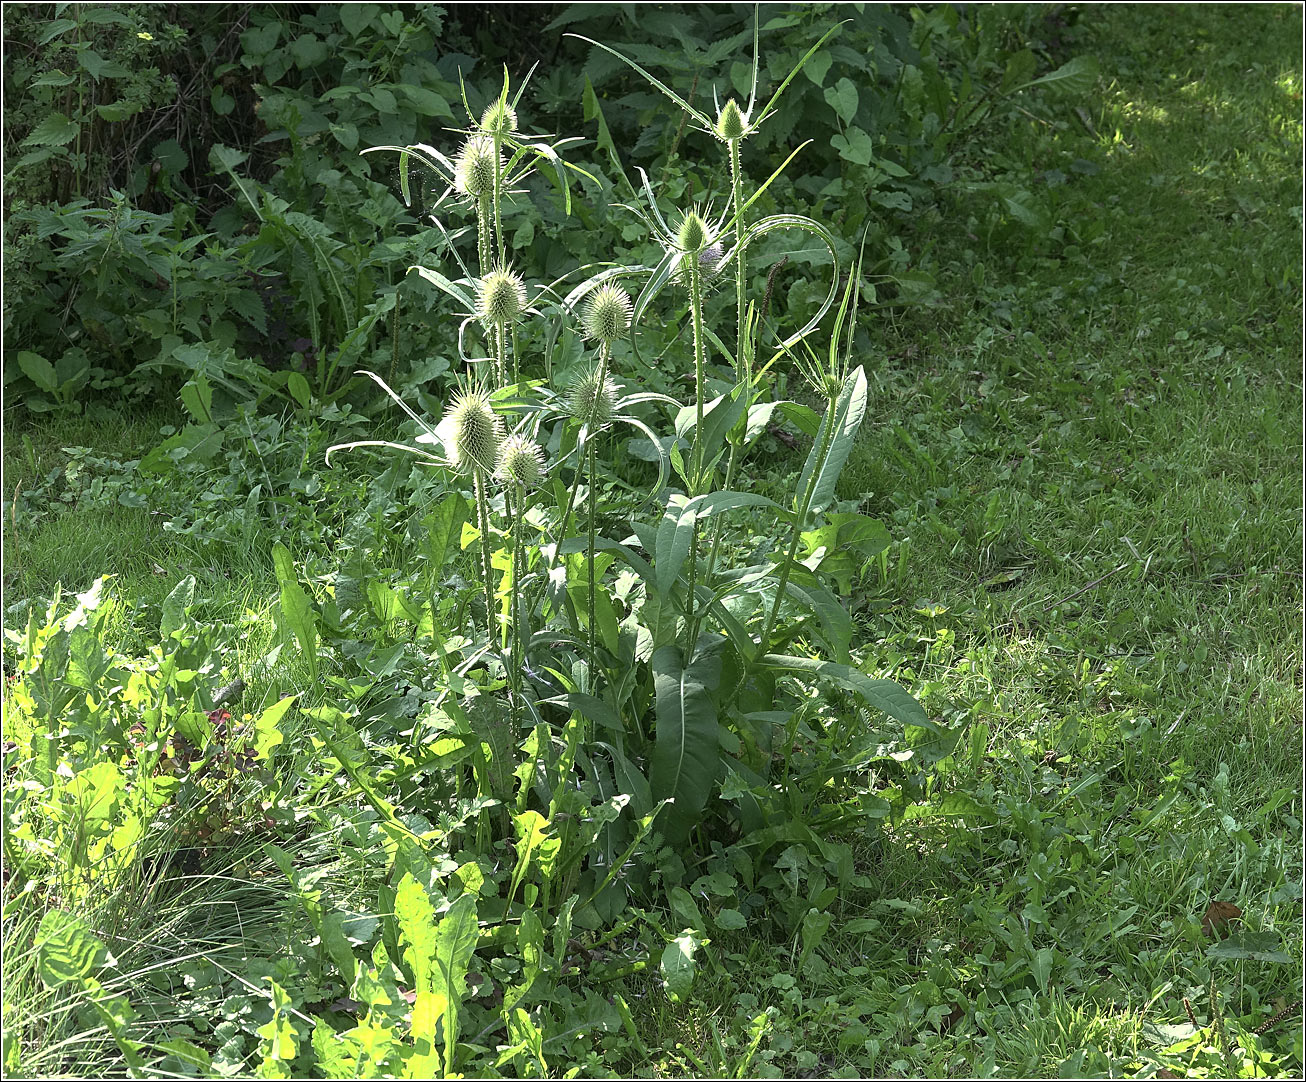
column 503, row 297
column 731, row 124
column 521, row 461
column 477, row 432
column 607, row 316
column 693, row 233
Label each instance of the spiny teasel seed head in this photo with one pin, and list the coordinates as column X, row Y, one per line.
column 502, row 297
column 475, row 166
column 731, row 124
column 477, row 432
column 692, row 235
column 592, row 399
column 521, row 461
column 607, row 316
column 499, row 118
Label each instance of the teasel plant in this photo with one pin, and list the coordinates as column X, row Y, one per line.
column 471, row 434
column 731, row 126
column 684, row 262
column 843, row 389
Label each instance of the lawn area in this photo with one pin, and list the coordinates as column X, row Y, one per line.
column 1083, row 441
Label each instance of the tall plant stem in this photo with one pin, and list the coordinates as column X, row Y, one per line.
column 487, row 563
column 500, row 353
column 593, row 511
column 498, row 196
column 800, row 517
column 696, row 473
column 742, row 369
column 518, row 660
column 483, row 238
column 593, row 514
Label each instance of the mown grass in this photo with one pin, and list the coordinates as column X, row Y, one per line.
column 1088, row 451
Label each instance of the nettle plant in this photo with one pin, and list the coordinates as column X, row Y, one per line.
column 650, row 668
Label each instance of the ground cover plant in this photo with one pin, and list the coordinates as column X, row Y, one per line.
column 567, row 719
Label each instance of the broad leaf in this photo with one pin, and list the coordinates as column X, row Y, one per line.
column 685, row 756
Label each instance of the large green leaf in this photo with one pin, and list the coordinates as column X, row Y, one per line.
column 67, row 950
column 1076, row 76
column 685, row 756
column 676, row 530
column 884, row 695
column 296, row 609
column 849, row 409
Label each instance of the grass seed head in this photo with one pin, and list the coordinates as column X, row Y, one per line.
column 521, row 461
column 607, row 316
column 477, row 432
column 502, row 297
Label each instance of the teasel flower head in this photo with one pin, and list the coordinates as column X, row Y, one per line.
column 607, row 315
column 475, row 166
column 502, row 296
column 499, row 118
column 592, row 399
column 476, row 432
column 521, row 462
column 731, row 122
column 693, row 233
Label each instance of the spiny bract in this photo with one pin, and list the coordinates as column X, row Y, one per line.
column 477, row 432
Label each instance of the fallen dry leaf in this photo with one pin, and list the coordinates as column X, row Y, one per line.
column 1218, row 915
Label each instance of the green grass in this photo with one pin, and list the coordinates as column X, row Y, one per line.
column 1088, row 451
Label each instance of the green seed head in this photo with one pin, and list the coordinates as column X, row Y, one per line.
column 731, row 124
column 592, row 399
column 693, row 233
column 476, row 166
column 607, row 317
column 477, row 432
column 503, row 297
column 521, row 461
column 499, row 118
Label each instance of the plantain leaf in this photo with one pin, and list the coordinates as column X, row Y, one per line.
column 686, row 756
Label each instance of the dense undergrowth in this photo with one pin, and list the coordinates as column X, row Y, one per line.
column 359, row 769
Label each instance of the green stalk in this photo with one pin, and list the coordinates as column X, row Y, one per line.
column 736, row 191
column 518, row 519
column 498, row 195
column 487, row 563
column 483, row 234
column 593, row 513
column 696, row 479
column 500, row 351
column 799, row 519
